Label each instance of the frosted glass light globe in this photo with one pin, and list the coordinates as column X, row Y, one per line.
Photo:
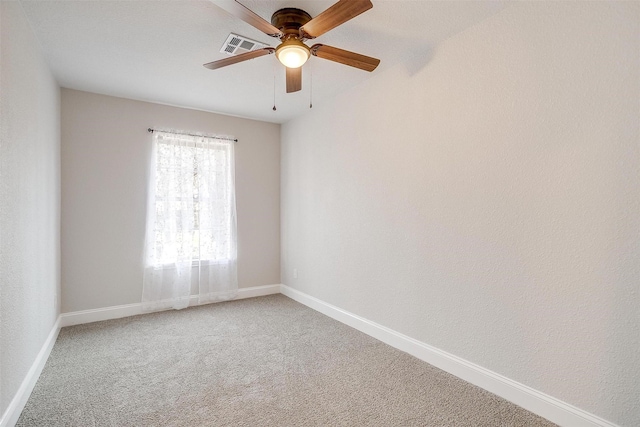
column 292, row 53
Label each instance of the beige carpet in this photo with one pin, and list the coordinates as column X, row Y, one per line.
column 266, row 361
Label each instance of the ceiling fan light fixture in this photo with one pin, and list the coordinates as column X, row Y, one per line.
column 292, row 53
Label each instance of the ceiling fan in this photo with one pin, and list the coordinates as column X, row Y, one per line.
column 294, row 26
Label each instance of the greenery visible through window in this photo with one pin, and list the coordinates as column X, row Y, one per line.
column 193, row 198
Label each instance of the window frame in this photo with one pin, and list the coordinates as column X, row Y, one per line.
column 214, row 144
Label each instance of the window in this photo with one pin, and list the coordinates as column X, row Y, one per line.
column 193, row 202
column 191, row 222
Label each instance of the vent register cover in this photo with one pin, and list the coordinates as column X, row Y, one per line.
column 236, row 44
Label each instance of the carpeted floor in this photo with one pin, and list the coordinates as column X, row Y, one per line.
column 266, row 361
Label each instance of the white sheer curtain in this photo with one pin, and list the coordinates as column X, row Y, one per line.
column 191, row 238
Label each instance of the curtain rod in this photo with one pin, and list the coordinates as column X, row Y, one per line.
column 192, row 134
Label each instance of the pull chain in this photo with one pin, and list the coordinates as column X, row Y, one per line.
column 275, row 70
column 274, row 92
column 310, row 88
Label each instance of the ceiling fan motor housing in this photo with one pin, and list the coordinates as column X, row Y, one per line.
column 289, row 20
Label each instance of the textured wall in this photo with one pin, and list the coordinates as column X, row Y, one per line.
column 105, row 160
column 487, row 202
column 29, row 200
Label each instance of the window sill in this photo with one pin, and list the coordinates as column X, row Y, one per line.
column 196, row 263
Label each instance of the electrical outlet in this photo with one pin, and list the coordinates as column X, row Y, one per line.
column 295, row 273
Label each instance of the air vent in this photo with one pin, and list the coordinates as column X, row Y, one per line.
column 235, row 45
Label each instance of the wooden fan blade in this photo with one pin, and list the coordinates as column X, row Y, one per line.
column 294, row 79
column 336, row 15
column 345, row 57
column 239, row 58
column 247, row 15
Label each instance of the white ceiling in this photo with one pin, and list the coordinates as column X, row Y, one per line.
column 154, row 50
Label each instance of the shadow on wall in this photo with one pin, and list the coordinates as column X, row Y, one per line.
column 400, row 50
column 624, row 337
column 417, row 59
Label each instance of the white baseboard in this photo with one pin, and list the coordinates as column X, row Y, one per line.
column 119, row 311
column 13, row 411
column 532, row 400
column 258, row 291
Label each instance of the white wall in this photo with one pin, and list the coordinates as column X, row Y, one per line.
column 487, row 203
column 105, row 161
column 29, row 200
